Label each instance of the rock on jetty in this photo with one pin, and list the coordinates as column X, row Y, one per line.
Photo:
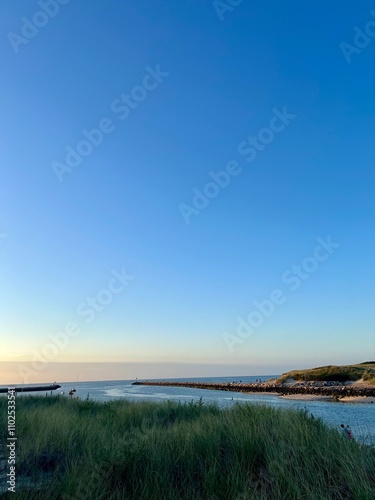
column 31, row 388
column 334, row 389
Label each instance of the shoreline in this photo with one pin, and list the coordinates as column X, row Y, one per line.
column 307, row 397
column 358, row 399
column 311, row 392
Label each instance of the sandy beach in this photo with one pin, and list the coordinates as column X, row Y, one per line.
column 253, row 393
column 346, row 399
column 358, row 399
column 307, row 397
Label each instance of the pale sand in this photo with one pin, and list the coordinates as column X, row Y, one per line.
column 307, row 397
column 315, row 397
column 253, row 393
column 358, row 399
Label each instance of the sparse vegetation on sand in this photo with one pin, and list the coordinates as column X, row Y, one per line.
column 124, row 450
column 346, row 373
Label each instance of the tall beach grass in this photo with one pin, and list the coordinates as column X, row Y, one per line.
column 166, row 451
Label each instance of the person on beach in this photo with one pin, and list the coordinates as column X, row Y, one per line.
column 347, row 431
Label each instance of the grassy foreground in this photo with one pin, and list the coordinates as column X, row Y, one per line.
column 122, row 450
column 364, row 371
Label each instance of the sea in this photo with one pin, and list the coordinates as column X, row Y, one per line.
column 360, row 417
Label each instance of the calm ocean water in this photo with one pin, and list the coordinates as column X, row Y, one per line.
column 360, row 417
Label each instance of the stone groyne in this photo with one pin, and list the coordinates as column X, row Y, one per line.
column 335, row 390
column 31, row 388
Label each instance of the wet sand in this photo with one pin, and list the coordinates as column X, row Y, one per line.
column 253, row 393
column 307, row 397
column 358, row 399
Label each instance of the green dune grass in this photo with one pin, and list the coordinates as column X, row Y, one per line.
column 365, row 371
column 123, row 450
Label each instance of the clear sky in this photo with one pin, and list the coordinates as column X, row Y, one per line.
column 166, row 164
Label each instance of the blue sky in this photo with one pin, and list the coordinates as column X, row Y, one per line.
column 120, row 208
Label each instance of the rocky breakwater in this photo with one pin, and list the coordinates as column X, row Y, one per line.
column 336, row 390
column 31, row 388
